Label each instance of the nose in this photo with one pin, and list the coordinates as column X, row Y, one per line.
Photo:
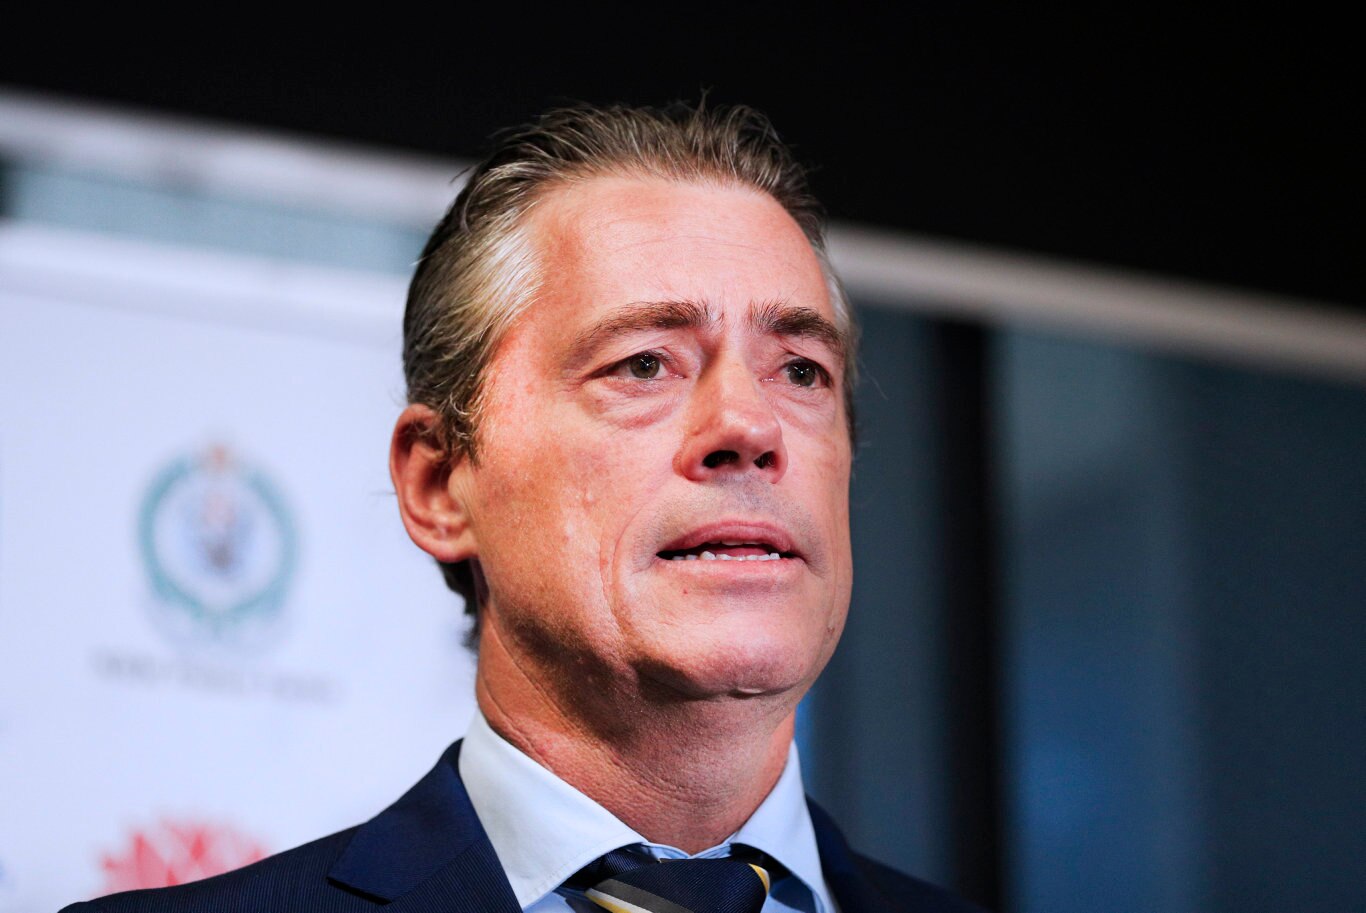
column 732, row 428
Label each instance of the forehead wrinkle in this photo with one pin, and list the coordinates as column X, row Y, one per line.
column 667, row 237
column 779, row 318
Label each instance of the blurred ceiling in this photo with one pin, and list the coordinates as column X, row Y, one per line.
column 1215, row 148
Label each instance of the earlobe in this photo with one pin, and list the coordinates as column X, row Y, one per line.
column 433, row 510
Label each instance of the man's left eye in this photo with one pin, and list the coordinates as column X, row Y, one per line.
column 803, row 373
column 645, row 366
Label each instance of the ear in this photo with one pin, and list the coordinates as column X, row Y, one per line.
column 433, row 509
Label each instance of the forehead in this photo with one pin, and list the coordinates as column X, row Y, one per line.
column 614, row 240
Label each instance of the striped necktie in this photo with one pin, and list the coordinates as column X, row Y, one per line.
column 627, row 882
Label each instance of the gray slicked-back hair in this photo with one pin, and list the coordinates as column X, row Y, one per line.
column 478, row 271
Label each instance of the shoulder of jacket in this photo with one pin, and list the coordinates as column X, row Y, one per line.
column 289, row 881
column 906, row 892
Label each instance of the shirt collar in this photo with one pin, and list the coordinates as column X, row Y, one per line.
column 544, row 830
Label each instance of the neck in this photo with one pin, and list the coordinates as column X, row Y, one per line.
column 683, row 772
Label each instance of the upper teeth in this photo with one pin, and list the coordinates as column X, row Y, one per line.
column 712, row 556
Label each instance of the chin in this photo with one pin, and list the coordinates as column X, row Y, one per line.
column 749, row 667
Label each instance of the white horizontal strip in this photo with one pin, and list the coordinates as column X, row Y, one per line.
column 951, row 280
column 40, row 263
column 237, row 162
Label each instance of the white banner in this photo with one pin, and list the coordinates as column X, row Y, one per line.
column 216, row 641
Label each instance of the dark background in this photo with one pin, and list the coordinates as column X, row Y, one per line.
column 1204, row 145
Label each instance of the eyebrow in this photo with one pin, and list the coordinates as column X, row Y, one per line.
column 636, row 318
column 781, row 319
column 777, row 318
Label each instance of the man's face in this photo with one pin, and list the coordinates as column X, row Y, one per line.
column 659, row 425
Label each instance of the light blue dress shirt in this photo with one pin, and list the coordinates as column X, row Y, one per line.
column 545, row 830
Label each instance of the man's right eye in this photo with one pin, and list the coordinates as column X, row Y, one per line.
column 644, row 366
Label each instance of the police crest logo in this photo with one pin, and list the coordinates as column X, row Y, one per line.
column 219, row 549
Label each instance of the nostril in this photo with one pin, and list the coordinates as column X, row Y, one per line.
column 720, row 458
column 765, row 460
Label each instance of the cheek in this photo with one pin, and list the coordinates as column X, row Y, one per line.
column 615, row 482
column 555, row 490
column 830, row 482
column 829, row 460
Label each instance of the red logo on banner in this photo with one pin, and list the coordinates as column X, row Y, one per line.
column 174, row 852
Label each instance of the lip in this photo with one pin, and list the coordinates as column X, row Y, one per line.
column 735, row 531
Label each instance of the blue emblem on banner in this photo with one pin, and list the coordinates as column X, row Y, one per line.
column 218, row 547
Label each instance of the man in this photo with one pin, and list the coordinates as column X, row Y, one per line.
column 628, row 444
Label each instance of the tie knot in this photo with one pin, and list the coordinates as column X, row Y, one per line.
column 627, row 882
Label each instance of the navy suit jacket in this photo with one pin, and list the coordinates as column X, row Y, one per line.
column 428, row 852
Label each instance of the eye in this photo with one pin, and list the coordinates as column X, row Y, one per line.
column 804, row 373
column 644, row 366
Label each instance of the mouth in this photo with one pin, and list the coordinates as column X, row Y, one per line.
column 731, row 543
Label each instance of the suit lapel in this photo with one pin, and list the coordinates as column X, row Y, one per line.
column 854, row 893
column 428, row 852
